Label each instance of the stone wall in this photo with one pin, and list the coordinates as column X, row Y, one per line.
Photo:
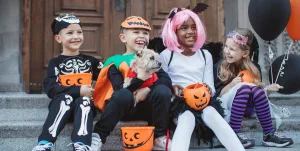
column 10, row 37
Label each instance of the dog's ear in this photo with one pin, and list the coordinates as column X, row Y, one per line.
column 139, row 53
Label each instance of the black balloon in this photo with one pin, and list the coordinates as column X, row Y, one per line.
column 269, row 17
column 291, row 77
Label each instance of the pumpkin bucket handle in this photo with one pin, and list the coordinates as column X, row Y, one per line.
column 196, row 85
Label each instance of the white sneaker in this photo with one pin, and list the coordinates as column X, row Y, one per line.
column 96, row 142
column 43, row 147
column 160, row 143
column 78, row 146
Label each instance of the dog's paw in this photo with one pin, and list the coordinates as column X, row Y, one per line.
column 126, row 82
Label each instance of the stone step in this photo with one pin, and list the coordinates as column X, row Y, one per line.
column 40, row 114
column 114, row 144
column 21, row 100
column 11, row 87
column 24, row 129
column 16, row 129
column 290, row 100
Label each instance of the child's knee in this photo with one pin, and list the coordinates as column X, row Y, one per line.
column 209, row 113
column 86, row 101
column 187, row 117
column 162, row 91
column 68, row 99
column 255, row 89
column 245, row 86
column 122, row 97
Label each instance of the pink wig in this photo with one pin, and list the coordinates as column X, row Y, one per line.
column 174, row 23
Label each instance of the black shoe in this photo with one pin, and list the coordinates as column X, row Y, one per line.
column 276, row 140
column 246, row 142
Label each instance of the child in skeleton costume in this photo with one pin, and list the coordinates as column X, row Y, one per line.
column 184, row 34
column 68, row 85
column 150, row 103
column 240, row 97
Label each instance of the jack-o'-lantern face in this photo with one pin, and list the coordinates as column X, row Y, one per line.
column 133, row 139
column 77, row 79
column 197, row 96
column 246, row 76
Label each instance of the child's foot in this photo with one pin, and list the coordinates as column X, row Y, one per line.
column 160, row 143
column 79, row 146
column 276, row 140
column 43, row 146
column 246, row 142
column 96, row 142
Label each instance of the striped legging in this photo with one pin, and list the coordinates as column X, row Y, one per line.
column 257, row 97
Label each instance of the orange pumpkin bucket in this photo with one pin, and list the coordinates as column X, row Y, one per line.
column 196, row 96
column 77, row 79
column 137, row 138
column 246, row 76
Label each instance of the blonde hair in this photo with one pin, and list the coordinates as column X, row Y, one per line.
column 228, row 71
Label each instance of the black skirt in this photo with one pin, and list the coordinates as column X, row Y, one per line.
column 203, row 132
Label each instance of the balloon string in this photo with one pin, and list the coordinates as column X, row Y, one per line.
column 271, row 55
column 286, row 57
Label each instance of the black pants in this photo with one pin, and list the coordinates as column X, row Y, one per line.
column 154, row 109
column 73, row 108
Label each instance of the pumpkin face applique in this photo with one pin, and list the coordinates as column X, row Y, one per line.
column 77, row 79
column 197, row 96
column 246, row 76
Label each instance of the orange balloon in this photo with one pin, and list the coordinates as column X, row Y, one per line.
column 293, row 27
column 246, row 76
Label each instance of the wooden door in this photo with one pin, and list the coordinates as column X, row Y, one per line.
column 101, row 21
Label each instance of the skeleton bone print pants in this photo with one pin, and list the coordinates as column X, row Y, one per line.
column 64, row 108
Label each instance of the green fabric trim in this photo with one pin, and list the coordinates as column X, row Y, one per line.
column 118, row 59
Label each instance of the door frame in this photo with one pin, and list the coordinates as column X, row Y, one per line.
column 25, row 52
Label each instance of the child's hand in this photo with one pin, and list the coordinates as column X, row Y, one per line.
column 141, row 94
column 86, row 90
column 143, row 74
column 273, row 87
column 235, row 81
column 208, row 88
column 177, row 90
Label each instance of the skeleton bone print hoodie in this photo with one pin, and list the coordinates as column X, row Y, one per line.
column 63, row 65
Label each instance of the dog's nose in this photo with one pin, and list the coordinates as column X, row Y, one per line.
column 159, row 63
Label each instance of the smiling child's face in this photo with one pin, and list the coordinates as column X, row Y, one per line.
column 71, row 37
column 187, row 34
column 135, row 39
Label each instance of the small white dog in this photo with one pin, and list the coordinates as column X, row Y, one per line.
column 146, row 61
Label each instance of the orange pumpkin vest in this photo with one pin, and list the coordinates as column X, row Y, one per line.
column 103, row 87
